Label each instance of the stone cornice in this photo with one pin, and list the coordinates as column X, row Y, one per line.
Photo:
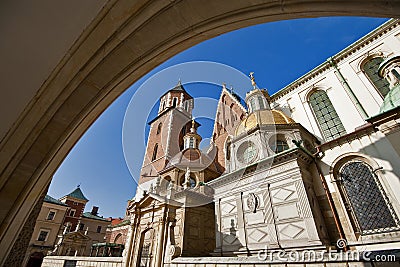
column 275, row 167
column 345, row 53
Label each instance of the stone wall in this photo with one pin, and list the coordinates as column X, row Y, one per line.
column 255, row 262
column 20, row 247
column 58, row 261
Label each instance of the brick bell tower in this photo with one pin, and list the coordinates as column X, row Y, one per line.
column 166, row 133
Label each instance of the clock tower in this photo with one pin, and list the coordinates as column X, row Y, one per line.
column 166, row 133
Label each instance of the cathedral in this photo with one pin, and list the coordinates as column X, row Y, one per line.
column 313, row 168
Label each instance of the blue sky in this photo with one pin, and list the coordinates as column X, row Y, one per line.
column 277, row 52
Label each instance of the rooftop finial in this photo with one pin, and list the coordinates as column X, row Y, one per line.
column 193, row 124
column 253, row 82
column 223, row 85
column 179, row 81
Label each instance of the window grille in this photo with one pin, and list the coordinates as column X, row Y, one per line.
column 51, row 215
column 249, row 154
column 191, row 142
column 279, row 146
column 370, row 69
column 327, row 118
column 43, row 235
column 145, row 256
column 252, row 104
column 261, row 102
column 366, row 200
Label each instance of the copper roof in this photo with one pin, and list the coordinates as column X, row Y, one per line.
column 263, row 117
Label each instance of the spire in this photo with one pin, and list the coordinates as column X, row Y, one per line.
column 257, row 99
column 253, row 81
column 179, row 86
column 77, row 193
column 193, row 128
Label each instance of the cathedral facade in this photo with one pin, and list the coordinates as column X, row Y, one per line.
column 312, row 167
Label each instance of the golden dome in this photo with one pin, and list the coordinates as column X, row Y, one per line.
column 263, row 117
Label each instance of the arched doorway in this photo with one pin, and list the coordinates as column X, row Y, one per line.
column 123, row 43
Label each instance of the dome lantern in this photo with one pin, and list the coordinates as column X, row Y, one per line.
column 257, row 99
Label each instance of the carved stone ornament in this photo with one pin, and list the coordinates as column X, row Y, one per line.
column 253, row 202
column 173, row 251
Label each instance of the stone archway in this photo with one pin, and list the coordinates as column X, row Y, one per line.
column 124, row 41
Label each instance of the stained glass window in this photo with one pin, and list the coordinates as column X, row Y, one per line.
column 327, row 118
column 370, row 69
column 367, row 201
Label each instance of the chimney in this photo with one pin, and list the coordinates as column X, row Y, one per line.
column 95, row 210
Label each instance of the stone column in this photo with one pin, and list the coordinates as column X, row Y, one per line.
column 128, row 252
column 160, row 241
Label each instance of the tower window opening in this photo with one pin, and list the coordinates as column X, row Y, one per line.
column 159, row 128
column 174, row 102
column 192, row 181
column 153, row 158
column 191, row 142
column 396, row 74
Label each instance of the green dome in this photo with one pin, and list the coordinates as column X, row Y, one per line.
column 391, row 100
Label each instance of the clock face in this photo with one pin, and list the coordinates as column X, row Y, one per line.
column 247, row 152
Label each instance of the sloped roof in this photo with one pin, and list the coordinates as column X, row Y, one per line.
column 77, row 193
column 52, row 200
column 95, row 217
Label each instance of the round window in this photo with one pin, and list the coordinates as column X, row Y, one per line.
column 247, row 152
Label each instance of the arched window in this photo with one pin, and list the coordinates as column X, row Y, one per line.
column 370, row 68
column 228, row 151
column 166, row 181
column 327, row 118
column 252, row 104
column 159, row 128
column 192, row 181
column 174, row 102
column 191, row 142
column 118, row 239
column 279, row 146
column 365, row 199
column 261, row 102
column 154, row 152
